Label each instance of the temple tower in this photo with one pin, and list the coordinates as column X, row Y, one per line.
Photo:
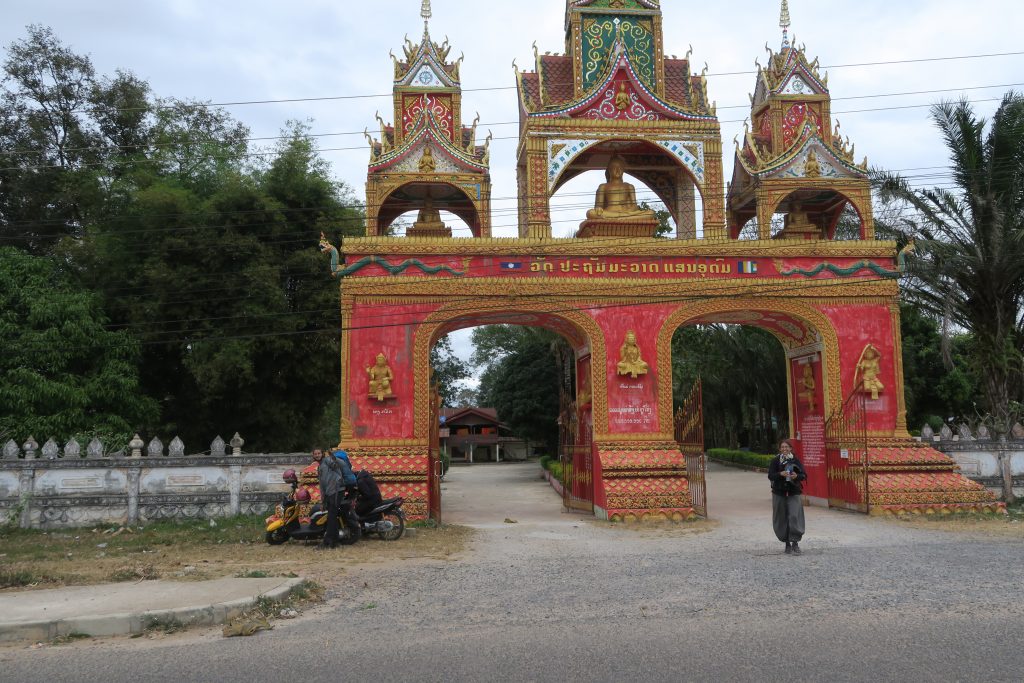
column 615, row 93
column 427, row 160
column 792, row 159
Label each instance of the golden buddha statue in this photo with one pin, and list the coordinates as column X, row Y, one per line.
column 799, row 226
column 808, row 386
column 616, row 199
column 812, row 169
column 868, row 369
column 429, row 218
column 622, row 100
column 427, row 164
column 380, row 378
column 630, row 362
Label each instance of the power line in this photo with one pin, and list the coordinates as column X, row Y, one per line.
column 330, row 98
column 490, row 124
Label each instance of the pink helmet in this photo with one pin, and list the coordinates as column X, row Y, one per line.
column 301, row 496
column 289, row 477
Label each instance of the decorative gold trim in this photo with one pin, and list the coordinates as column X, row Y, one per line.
column 525, row 246
column 626, row 290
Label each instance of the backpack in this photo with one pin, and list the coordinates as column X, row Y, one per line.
column 367, row 486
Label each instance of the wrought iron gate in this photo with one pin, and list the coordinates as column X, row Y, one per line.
column 846, row 454
column 434, row 471
column 576, row 458
column 689, row 434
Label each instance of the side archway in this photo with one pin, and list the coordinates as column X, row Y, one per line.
column 577, row 325
column 814, row 319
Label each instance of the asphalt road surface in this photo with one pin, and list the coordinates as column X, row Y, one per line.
column 556, row 596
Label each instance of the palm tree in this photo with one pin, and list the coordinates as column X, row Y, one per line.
column 969, row 263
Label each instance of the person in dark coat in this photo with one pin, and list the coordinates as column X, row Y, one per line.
column 331, row 475
column 787, row 475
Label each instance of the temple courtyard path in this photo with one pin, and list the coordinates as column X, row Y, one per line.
column 553, row 596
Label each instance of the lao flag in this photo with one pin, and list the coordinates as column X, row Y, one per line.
column 746, row 267
column 512, row 266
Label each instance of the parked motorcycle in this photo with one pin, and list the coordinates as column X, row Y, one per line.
column 288, row 521
column 387, row 520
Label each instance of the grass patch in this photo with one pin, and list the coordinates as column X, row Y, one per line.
column 253, row 574
column 164, row 624
column 145, row 572
column 17, row 579
column 69, row 638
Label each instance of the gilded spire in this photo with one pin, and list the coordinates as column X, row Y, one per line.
column 425, row 10
column 784, row 23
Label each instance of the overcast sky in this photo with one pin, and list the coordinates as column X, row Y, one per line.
column 234, row 50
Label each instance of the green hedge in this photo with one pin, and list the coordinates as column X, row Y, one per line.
column 740, row 457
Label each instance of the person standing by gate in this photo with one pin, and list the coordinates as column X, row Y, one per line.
column 786, row 474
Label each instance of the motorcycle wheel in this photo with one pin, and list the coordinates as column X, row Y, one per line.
column 352, row 535
column 277, row 536
column 397, row 530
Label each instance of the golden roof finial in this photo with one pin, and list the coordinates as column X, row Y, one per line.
column 785, row 23
column 425, row 10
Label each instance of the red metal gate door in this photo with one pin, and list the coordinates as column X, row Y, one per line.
column 576, row 457
column 689, row 434
column 434, row 464
column 846, row 454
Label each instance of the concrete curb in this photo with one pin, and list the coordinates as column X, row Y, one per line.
column 125, row 623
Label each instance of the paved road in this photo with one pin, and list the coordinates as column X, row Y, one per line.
column 557, row 597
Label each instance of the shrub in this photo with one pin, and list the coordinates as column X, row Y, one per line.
column 740, row 457
column 545, row 462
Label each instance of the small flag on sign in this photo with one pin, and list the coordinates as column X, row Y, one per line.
column 511, row 265
column 747, row 267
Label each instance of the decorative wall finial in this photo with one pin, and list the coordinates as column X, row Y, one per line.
column 784, row 23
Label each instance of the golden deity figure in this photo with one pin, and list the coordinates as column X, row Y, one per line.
column 868, row 369
column 427, row 164
column 429, row 218
column 622, row 100
column 380, row 378
column 807, row 388
column 799, row 226
column 812, row 169
column 630, row 362
column 616, row 199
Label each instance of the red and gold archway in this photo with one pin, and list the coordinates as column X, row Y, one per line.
column 619, row 300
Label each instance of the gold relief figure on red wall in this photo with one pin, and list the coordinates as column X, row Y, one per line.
column 808, row 387
column 868, row 369
column 380, row 378
column 630, row 362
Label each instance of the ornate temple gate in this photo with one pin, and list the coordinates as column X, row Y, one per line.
column 576, row 458
column 615, row 105
column 689, row 434
column 847, row 456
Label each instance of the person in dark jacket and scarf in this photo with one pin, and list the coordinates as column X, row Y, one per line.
column 331, row 475
column 786, row 474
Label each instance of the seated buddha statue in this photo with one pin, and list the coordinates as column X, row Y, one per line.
column 380, row 378
column 799, row 226
column 616, row 199
column 429, row 218
column 630, row 362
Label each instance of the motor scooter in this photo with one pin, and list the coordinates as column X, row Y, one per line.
column 296, row 518
column 387, row 520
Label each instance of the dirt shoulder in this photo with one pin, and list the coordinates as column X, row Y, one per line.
column 197, row 550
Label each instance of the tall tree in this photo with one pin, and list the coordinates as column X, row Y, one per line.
column 62, row 373
column 969, row 264
column 448, row 372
